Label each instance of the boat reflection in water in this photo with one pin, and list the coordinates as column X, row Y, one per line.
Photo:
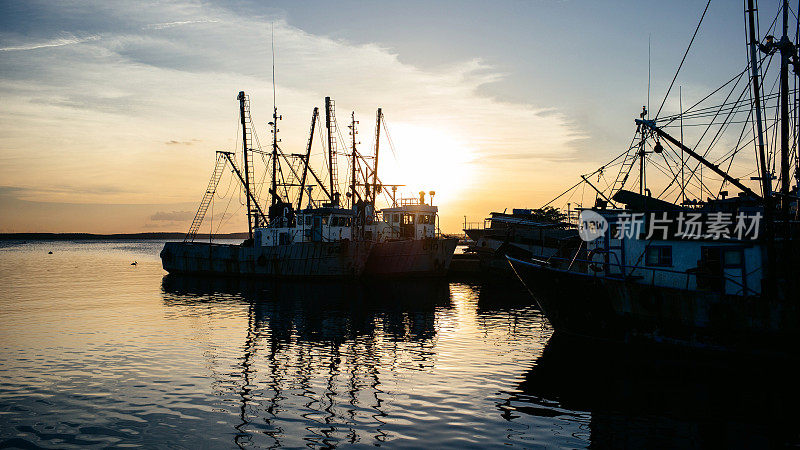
column 316, row 349
column 642, row 399
column 432, row 364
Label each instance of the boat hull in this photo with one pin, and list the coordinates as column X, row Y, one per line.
column 628, row 311
column 342, row 259
column 411, row 257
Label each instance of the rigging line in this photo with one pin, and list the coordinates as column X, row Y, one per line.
column 708, row 124
column 689, row 180
column 324, row 146
column 700, row 140
column 684, row 58
column 732, row 152
column 723, row 127
column 224, row 221
column 388, row 136
column 587, row 176
column 752, row 139
column 691, row 108
column 714, row 107
column 733, row 156
column 708, row 111
column 230, row 183
column 222, row 218
column 774, row 148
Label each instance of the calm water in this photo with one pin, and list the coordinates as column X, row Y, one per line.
column 95, row 352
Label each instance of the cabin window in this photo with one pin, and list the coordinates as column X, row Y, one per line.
column 325, row 220
column 334, row 221
column 659, row 256
column 387, row 217
column 408, row 219
column 733, row 258
column 348, row 221
column 396, row 218
column 308, row 220
column 283, row 239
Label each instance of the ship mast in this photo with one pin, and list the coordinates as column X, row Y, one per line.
column 353, row 133
column 787, row 50
column 375, row 189
column 307, row 158
column 243, row 109
column 274, row 123
column 274, row 189
column 766, row 180
column 331, row 149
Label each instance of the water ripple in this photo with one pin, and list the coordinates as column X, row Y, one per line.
column 95, row 352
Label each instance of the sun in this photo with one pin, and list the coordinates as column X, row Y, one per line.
column 426, row 159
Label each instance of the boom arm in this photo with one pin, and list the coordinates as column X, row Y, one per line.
column 650, row 124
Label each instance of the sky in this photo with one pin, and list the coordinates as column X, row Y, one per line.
column 112, row 111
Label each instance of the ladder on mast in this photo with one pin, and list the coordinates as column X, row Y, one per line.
column 247, row 138
column 330, row 124
column 624, row 172
column 219, row 168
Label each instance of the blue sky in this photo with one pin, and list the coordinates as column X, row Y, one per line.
column 119, row 106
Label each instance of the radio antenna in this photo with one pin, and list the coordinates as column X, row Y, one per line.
column 274, row 123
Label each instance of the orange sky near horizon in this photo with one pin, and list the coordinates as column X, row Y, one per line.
column 112, row 115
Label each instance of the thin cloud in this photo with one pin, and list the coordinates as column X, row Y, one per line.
column 161, row 26
column 59, row 42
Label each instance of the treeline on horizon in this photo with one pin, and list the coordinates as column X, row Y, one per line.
column 119, row 236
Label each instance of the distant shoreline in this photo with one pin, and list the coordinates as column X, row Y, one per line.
column 116, row 236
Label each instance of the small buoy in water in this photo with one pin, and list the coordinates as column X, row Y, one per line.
column 134, row 263
column 49, row 253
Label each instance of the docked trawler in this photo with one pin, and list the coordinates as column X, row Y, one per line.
column 407, row 241
column 290, row 242
column 524, row 233
column 720, row 273
column 322, row 238
column 406, row 238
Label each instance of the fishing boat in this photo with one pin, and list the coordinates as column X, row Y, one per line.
column 525, row 233
column 317, row 241
column 718, row 273
column 405, row 236
column 322, row 238
column 408, row 241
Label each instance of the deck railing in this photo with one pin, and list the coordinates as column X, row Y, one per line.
column 628, row 272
